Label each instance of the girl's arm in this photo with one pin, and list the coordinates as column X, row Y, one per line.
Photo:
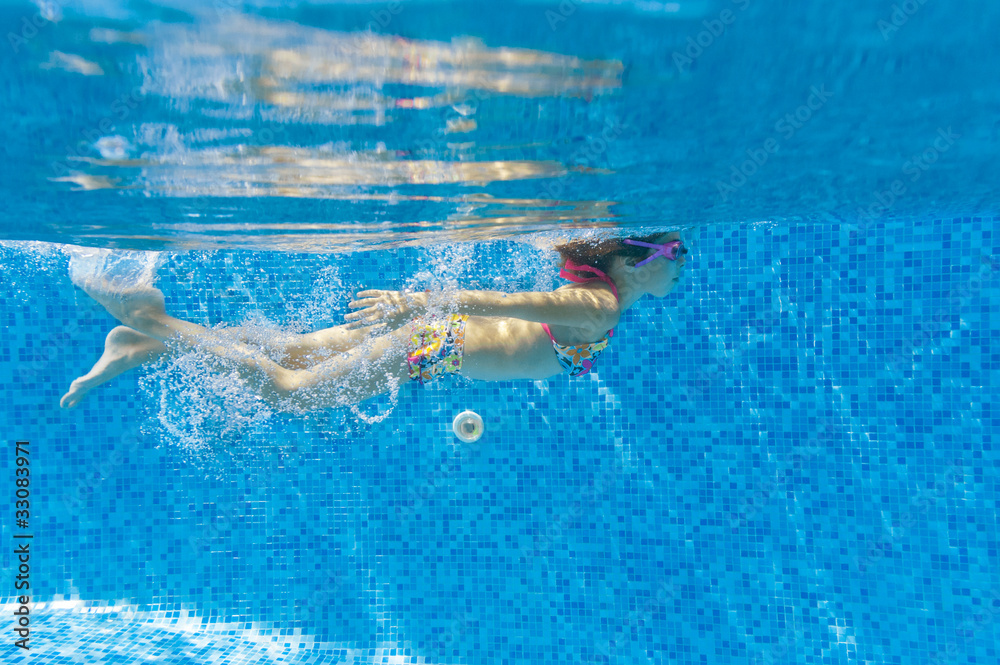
column 589, row 309
column 578, row 308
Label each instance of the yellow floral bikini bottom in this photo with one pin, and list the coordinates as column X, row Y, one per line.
column 436, row 349
column 578, row 359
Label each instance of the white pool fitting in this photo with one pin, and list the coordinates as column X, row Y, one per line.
column 468, row 426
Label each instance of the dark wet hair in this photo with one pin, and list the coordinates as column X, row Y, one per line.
column 601, row 254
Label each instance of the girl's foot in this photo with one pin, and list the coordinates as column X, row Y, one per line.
column 124, row 349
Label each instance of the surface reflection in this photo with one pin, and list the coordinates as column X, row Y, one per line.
column 303, row 81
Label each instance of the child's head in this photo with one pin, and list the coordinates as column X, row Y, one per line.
column 650, row 265
column 661, row 270
column 603, row 253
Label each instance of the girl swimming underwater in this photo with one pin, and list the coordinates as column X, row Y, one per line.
column 484, row 335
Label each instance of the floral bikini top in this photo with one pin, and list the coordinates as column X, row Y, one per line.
column 578, row 359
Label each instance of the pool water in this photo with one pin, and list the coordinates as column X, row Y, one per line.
column 790, row 459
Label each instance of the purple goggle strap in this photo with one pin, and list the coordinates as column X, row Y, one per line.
column 668, row 250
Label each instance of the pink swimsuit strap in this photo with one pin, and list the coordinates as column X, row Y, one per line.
column 565, row 274
column 583, row 280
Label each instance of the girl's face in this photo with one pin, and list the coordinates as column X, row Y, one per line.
column 662, row 273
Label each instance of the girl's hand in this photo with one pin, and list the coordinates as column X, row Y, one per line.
column 391, row 309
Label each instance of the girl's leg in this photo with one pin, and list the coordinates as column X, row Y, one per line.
column 346, row 379
column 144, row 311
column 125, row 349
column 367, row 370
column 300, row 351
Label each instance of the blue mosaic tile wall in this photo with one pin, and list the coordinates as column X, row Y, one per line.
column 789, row 460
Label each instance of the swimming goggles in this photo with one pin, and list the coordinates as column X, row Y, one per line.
column 670, row 250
